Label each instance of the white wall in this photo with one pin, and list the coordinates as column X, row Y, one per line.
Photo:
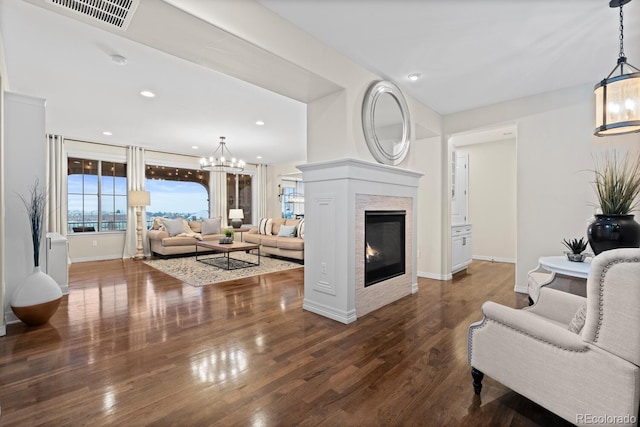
column 492, row 199
column 425, row 157
column 95, row 246
column 555, row 144
column 3, row 87
column 24, row 119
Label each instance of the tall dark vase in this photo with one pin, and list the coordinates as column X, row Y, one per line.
column 612, row 232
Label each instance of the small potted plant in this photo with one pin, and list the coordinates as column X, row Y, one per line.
column 229, row 236
column 576, row 248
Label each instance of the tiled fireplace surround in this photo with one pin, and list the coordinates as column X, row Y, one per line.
column 337, row 193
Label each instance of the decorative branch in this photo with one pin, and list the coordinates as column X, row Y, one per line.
column 36, row 210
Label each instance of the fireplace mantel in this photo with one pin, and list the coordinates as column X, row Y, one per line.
column 336, row 194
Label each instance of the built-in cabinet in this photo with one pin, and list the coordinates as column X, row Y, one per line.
column 461, row 230
column 461, row 255
column 56, row 262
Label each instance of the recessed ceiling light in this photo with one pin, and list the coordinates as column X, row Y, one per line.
column 106, row 132
column 414, row 76
column 147, row 94
column 260, row 123
column 258, row 157
column 195, row 147
column 119, row 59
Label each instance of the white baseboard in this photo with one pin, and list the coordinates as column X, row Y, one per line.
column 341, row 316
column 11, row 318
column 414, row 288
column 494, row 259
column 96, row 258
column 434, row 276
column 521, row 289
column 3, row 330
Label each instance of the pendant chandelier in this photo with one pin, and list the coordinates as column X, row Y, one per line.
column 618, row 95
column 222, row 162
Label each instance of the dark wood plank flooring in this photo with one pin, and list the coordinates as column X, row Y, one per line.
column 132, row 346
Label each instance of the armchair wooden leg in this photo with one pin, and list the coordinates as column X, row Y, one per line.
column 477, row 380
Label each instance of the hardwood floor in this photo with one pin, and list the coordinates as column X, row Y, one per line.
column 133, row 346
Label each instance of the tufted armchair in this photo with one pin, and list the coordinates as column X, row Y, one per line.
column 578, row 357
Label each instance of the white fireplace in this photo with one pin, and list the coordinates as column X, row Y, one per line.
column 337, row 195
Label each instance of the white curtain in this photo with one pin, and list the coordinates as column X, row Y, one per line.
column 260, row 183
column 135, row 181
column 56, row 184
column 219, row 180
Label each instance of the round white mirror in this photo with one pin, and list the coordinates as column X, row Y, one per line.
column 386, row 123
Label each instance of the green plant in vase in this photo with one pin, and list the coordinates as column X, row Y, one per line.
column 617, row 187
column 576, row 248
column 228, row 232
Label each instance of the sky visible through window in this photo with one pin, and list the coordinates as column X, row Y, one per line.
column 177, row 198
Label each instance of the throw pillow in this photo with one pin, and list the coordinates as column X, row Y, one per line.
column 287, row 231
column 577, row 323
column 292, row 222
column 300, row 229
column 211, row 225
column 157, row 223
column 264, row 226
column 275, row 226
column 174, row 226
column 195, row 226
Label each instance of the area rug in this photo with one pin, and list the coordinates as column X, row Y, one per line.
column 196, row 273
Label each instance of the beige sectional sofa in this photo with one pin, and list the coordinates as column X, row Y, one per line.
column 271, row 243
column 162, row 243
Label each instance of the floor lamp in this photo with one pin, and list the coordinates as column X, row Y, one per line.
column 137, row 199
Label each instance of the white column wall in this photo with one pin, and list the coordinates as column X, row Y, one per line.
column 3, row 86
column 23, row 162
column 330, row 211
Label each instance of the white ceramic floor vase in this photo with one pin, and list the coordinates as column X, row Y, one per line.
column 36, row 299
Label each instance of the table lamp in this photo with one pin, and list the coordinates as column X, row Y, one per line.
column 236, row 216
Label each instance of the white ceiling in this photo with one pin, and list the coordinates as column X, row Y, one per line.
column 68, row 63
column 470, row 53
column 473, row 53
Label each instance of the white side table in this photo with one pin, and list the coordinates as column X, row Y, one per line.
column 561, row 265
column 557, row 272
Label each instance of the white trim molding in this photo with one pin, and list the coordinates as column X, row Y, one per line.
column 494, row 259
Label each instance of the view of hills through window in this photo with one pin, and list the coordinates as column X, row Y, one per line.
column 177, row 192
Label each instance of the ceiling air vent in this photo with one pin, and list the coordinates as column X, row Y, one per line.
column 113, row 13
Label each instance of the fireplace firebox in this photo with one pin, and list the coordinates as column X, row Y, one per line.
column 384, row 245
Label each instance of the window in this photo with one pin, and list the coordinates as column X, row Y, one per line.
column 240, row 195
column 292, row 198
column 177, row 192
column 97, row 195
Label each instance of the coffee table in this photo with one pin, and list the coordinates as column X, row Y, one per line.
column 225, row 262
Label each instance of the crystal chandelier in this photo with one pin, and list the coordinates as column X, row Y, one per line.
column 618, row 95
column 222, row 162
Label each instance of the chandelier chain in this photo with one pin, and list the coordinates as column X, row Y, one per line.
column 621, row 33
